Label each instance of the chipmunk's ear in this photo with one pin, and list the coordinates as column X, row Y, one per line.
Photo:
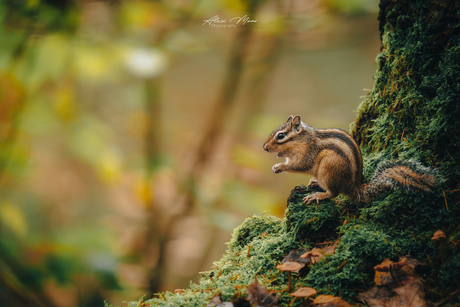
column 297, row 122
column 289, row 118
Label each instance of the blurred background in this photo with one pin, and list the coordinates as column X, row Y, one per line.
column 131, row 132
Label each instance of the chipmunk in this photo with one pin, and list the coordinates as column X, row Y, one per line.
column 334, row 158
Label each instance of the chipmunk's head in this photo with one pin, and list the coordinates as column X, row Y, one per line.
column 281, row 139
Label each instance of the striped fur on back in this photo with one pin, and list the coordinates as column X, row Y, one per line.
column 341, row 141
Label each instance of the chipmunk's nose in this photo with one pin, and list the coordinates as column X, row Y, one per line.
column 265, row 147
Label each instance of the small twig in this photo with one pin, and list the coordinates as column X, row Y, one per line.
column 453, row 293
column 265, row 278
column 445, row 199
column 274, row 277
column 292, row 301
column 402, row 135
column 341, row 266
column 232, row 256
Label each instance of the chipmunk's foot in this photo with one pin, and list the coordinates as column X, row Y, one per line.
column 316, row 196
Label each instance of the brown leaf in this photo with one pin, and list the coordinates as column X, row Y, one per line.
column 330, row 301
column 409, row 295
column 330, row 249
column 258, row 295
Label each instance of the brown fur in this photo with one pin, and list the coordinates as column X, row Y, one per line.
column 406, row 176
column 334, row 159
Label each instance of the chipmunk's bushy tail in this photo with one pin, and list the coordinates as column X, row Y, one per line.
column 391, row 175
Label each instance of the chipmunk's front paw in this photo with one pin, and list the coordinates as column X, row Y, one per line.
column 277, row 168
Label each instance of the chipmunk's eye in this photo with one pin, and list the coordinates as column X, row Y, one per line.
column 280, row 136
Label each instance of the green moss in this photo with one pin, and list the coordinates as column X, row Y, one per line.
column 318, row 220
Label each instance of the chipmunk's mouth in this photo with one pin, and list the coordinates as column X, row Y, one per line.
column 280, row 155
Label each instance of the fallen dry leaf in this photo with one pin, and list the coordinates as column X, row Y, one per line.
column 258, row 295
column 330, row 249
column 409, row 295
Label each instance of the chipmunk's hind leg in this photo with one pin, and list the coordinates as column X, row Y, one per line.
column 332, row 185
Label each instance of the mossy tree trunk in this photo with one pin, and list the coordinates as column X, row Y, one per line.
column 414, row 110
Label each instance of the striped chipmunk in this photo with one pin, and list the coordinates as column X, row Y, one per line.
column 334, row 159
